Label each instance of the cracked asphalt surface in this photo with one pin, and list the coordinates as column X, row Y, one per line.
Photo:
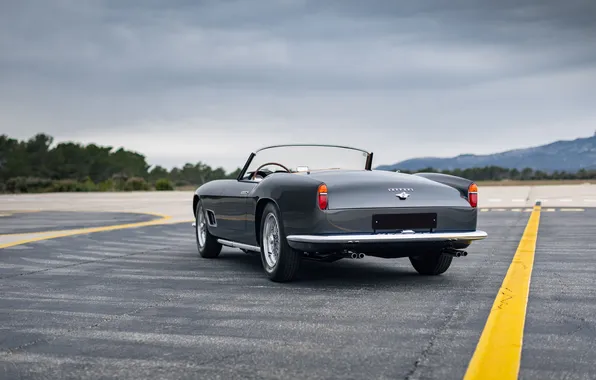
column 140, row 303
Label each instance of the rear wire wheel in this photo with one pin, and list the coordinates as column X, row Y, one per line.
column 206, row 243
column 280, row 261
column 431, row 263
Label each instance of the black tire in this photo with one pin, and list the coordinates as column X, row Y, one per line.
column 210, row 247
column 431, row 264
column 287, row 264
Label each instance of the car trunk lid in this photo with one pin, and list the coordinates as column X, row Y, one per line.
column 381, row 189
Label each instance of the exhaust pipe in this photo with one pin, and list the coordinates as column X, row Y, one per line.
column 454, row 252
column 355, row 255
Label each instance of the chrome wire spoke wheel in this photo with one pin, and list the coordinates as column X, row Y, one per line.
column 201, row 228
column 280, row 261
column 271, row 240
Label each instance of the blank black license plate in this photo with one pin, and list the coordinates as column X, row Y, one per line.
column 404, row 221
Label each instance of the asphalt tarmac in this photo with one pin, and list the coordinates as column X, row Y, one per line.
column 16, row 222
column 140, row 303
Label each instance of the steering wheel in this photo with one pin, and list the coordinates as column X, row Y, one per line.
column 254, row 174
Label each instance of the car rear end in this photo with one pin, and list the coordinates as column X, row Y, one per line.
column 387, row 214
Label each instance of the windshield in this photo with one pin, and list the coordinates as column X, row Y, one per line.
column 303, row 158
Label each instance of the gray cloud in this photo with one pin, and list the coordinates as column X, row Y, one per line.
column 211, row 80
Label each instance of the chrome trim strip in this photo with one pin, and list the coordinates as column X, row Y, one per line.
column 234, row 244
column 388, row 238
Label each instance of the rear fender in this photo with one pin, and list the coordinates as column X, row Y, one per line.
column 295, row 197
column 459, row 183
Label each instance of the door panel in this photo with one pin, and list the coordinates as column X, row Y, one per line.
column 231, row 210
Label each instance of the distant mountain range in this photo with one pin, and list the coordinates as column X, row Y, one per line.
column 563, row 155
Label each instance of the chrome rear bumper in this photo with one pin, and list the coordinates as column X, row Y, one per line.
column 403, row 237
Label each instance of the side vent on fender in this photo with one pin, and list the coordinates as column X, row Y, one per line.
column 211, row 218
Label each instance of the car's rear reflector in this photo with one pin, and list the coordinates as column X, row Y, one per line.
column 322, row 196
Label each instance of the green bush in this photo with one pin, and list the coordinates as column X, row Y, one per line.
column 163, row 184
column 107, row 185
column 136, row 184
column 43, row 185
column 65, row 185
column 71, row 185
column 89, row 185
column 28, row 185
column 119, row 182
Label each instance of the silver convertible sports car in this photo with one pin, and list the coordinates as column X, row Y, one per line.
column 324, row 202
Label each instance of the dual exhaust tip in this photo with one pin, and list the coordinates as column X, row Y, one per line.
column 355, row 255
column 455, row 252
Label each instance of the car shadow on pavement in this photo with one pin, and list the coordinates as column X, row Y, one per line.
column 348, row 273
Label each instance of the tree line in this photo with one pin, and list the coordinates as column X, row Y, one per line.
column 496, row 173
column 35, row 165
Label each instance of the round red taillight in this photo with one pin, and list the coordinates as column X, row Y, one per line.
column 322, row 196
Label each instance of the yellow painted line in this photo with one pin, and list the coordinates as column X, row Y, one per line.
column 484, row 210
column 499, row 349
column 80, row 231
column 84, row 211
column 12, row 212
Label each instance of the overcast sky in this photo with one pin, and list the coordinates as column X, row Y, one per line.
column 189, row 80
